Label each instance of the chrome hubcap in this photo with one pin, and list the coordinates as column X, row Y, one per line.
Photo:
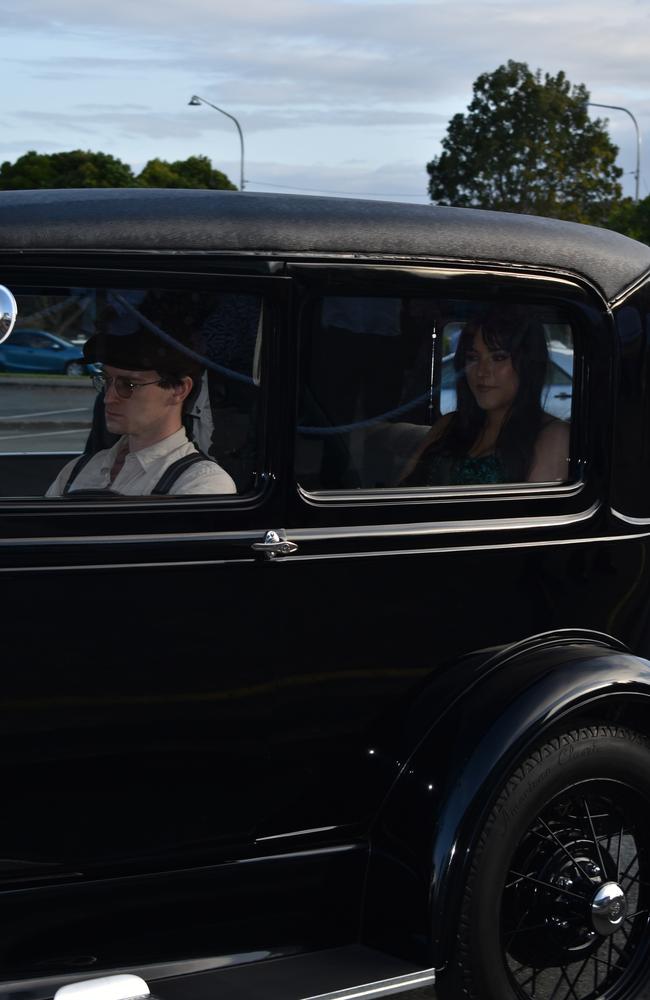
column 608, row 908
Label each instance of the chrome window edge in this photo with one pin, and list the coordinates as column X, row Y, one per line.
column 435, row 494
column 637, row 522
column 436, row 528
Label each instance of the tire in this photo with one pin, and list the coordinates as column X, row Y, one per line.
column 573, row 818
column 74, row 368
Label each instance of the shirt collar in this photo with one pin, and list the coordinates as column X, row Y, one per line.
column 146, row 456
column 111, row 454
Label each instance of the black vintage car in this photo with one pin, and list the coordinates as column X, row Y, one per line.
column 383, row 714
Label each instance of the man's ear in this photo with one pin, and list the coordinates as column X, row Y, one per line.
column 181, row 391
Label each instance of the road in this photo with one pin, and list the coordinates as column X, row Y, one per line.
column 44, row 415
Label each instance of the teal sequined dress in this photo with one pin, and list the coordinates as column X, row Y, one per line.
column 486, row 469
column 441, row 470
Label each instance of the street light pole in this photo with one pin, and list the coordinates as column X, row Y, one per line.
column 617, row 107
column 194, row 101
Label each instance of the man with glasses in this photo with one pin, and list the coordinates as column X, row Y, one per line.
column 145, row 382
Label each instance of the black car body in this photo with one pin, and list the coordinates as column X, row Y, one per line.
column 300, row 723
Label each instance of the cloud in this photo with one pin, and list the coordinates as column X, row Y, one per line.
column 294, row 69
column 138, row 120
column 398, row 180
column 378, row 51
column 256, row 53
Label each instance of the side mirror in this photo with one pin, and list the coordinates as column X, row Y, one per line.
column 8, row 312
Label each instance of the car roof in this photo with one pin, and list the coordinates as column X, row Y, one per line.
column 140, row 219
column 35, row 329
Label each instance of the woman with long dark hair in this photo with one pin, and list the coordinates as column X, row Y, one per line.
column 499, row 432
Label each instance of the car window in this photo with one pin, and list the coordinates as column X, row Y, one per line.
column 413, row 391
column 51, row 412
column 43, row 342
column 19, row 338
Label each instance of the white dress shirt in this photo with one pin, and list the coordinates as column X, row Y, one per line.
column 143, row 469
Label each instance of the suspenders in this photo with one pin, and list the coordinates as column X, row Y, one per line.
column 173, row 471
column 163, row 486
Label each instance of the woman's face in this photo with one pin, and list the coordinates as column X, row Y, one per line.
column 491, row 376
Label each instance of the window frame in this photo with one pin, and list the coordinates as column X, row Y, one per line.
column 594, row 341
column 148, row 515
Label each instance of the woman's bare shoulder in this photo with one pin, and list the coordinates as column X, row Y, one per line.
column 551, row 454
column 555, row 432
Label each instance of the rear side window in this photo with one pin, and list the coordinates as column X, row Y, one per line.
column 423, row 392
column 53, row 407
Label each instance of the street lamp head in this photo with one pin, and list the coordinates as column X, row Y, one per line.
column 196, row 100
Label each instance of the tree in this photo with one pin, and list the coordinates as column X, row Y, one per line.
column 631, row 218
column 194, row 172
column 527, row 145
column 76, row 169
column 85, row 169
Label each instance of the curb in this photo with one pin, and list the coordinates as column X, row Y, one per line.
column 44, row 425
column 54, row 382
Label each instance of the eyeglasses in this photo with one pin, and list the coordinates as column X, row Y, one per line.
column 124, row 387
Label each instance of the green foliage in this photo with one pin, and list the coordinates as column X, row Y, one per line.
column 631, row 219
column 527, row 145
column 85, row 169
column 76, row 169
column 194, row 172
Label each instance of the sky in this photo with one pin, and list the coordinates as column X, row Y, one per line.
column 348, row 97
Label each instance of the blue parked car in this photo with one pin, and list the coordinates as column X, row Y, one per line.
column 37, row 351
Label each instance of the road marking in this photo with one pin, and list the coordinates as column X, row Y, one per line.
column 45, row 413
column 43, row 434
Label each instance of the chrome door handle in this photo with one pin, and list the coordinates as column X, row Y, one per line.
column 275, row 544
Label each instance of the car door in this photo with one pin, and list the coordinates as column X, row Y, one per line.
column 399, row 580
column 135, row 699
column 45, row 353
column 17, row 351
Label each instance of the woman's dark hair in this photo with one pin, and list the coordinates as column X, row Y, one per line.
column 516, row 330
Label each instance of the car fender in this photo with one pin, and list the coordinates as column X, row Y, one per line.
column 423, row 837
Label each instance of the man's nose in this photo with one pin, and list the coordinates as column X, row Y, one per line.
column 110, row 393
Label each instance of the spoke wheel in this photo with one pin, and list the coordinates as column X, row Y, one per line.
column 557, row 905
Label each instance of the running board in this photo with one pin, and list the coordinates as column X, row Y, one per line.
column 351, row 973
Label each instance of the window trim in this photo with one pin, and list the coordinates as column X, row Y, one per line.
column 445, row 281
column 272, row 287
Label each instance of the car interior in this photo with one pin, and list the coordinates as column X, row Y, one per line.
column 378, row 372
column 46, row 420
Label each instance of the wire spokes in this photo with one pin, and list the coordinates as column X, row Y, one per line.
column 553, row 946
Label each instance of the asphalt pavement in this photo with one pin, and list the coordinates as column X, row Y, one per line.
column 45, row 414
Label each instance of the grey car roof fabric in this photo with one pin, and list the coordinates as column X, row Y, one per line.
column 155, row 219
